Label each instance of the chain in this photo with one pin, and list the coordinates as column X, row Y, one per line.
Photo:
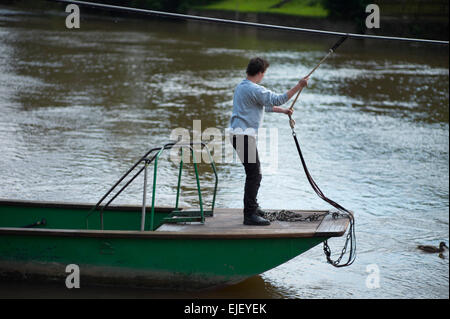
column 350, row 238
column 290, row 216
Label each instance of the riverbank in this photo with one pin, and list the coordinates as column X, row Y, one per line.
column 280, row 19
column 412, row 18
column 303, row 8
column 403, row 18
column 429, row 28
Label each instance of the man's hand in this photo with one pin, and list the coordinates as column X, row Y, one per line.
column 298, row 87
column 303, row 82
column 288, row 111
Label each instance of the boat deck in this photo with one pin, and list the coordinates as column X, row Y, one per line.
column 123, row 221
column 228, row 222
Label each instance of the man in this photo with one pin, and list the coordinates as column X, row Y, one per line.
column 249, row 102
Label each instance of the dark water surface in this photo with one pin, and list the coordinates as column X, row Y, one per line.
column 78, row 107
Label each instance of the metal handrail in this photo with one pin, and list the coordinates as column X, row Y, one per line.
column 156, row 158
column 190, row 146
column 148, row 161
column 153, row 193
column 125, row 186
column 213, row 166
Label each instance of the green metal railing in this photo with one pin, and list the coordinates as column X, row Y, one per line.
column 177, row 215
column 192, row 215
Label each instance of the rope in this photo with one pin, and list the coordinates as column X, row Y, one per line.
column 331, row 51
column 351, row 237
column 249, row 24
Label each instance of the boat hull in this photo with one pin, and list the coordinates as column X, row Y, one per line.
column 156, row 263
column 151, row 259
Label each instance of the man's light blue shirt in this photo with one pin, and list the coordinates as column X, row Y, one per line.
column 249, row 102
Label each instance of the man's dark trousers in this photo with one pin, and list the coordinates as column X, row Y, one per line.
column 245, row 146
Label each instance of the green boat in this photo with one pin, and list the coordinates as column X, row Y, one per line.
column 150, row 246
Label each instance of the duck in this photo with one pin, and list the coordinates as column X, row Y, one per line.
column 433, row 249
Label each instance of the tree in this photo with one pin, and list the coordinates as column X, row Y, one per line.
column 354, row 10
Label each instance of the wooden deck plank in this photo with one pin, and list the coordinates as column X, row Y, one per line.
column 229, row 221
column 332, row 226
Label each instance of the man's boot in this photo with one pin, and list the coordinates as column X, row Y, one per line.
column 260, row 212
column 252, row 218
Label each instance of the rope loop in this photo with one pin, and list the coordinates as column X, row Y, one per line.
column 350, row 241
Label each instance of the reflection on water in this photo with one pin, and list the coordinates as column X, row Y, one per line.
column 79, row 107
column 252, row 288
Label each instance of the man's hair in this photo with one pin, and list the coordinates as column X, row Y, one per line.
column 257, row 65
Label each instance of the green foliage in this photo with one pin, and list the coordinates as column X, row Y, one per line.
column 353, row 9
column 186, row 4
column 165, row 5
column 310, row 8
column 294, row 7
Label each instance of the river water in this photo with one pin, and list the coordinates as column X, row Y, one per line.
column 78, row 107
